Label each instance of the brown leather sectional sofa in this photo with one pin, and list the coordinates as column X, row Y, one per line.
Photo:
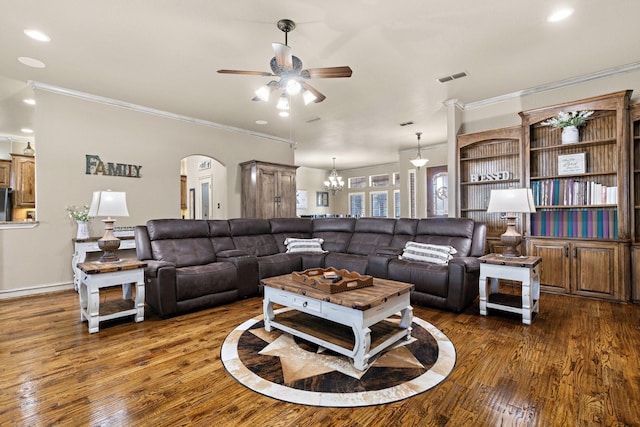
column 194, row 264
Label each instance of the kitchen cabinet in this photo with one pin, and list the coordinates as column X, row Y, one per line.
column 23, row 181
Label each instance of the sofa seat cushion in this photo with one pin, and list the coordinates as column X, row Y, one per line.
column 278, row 264
column 199, row 280
column 427, row 278
column 350, row 262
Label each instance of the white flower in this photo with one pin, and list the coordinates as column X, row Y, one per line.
column 79, row 213
column 573, row 118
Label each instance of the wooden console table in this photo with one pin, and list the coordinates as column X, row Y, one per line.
column 97, row 275
column 524, row 269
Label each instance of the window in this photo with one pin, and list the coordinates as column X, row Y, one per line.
column 379, row 180
column 396, row 203
column 438, row 183
column 358, row 182
column 379, row 203
column 396, row 178
column 412, row 193
column 356, row 204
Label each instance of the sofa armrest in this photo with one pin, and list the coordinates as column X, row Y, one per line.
column 247, row 266
column 464, row 275
column 153, row 266
column 232, row 253
column 378, row 265
column 389, row 251
column 160, row 287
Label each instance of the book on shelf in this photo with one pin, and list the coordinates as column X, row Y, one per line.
column 570, row 192
column 580, row 223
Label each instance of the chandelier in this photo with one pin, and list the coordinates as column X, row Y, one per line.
column 334, row 182
column 419, row 161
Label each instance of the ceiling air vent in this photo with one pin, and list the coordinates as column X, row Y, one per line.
column 452, row 77
column 406, row 123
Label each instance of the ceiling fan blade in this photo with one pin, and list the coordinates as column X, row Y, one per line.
column 283, row 55
column 319, row 96
column 251, row 73
column 326, row 73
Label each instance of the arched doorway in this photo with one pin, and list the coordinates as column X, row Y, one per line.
column 203, row 188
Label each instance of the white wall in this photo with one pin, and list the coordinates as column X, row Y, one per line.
column 67, row 129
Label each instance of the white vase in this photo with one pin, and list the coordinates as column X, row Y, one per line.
column 83, row 230
column 570, row 134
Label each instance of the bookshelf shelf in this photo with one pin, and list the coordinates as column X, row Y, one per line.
column 482, row 156
column 634, row 191
column 581, row 227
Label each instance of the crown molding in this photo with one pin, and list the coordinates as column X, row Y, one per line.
column 147, row 110
column 544, row 88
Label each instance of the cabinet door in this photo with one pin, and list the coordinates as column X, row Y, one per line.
column 595, row 267
column 5, row 173
column 635, row 274
column 287, row 194
column 555, row 267
column 267, row 192
column 24, row 193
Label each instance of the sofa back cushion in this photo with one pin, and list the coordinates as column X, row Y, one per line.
column 253, row 235
column 182, row 242
column 220, row 235
column 456, row 232
column 371, row 233
column 336, row 232
column 283, row 228
column 405, row 231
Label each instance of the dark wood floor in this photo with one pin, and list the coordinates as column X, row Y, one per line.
column 578, row 364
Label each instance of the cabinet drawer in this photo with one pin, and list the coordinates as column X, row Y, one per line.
column 307, row 304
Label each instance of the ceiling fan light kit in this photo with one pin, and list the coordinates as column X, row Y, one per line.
column 289, row 69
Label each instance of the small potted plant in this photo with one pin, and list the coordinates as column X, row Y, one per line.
column 80, row 214
column 569, row 123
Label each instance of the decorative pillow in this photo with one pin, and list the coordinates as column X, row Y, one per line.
column 304, row 245
column 425, row 252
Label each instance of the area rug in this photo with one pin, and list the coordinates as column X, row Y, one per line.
column 293, row 370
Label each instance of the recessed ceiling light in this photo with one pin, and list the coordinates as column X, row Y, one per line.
column 261, row 122
column 29, row 101
column 284, row 113
column 560, row 14
column 31, row 62
column 26, row 130
column 37, row 35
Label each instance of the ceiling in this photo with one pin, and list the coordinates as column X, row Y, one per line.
column 164, row 54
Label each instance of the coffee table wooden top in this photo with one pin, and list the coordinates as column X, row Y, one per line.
column 358, row 299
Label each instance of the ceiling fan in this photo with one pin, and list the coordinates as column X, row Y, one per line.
column 289, row 68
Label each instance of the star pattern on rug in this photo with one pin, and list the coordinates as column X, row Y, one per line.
column 298, row 363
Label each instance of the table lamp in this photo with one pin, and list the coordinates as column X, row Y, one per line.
column 108, row 203
column 511, row 201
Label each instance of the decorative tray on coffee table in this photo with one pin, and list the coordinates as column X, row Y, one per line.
column 332, row 280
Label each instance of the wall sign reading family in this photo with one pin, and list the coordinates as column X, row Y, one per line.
column 95, row 166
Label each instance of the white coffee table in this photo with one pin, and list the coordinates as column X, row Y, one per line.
column 353, row 323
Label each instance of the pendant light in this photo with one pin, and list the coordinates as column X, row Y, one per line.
column 419, row 161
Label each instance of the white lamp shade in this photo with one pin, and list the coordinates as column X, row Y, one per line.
column 511, row 200
column 109, row 203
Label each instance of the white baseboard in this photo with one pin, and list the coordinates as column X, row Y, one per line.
column 44, row 289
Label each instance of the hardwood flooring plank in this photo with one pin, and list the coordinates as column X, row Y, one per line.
column 577, row 364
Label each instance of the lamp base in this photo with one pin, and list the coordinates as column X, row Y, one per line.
column 510, row 239
column 109, row 243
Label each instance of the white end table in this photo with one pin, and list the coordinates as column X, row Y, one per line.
column 524, row 269
column 84, row 246
column 97, row 275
